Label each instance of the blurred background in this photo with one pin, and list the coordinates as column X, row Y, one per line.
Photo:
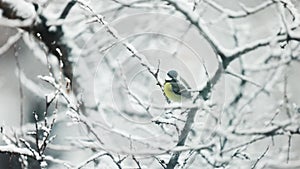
column 108, row 72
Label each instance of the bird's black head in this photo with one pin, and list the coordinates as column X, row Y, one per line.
column 172, row 74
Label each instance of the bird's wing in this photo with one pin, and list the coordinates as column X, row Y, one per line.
column 184, row 92
column 180, row 89
column 184, row 82
column 175, row 87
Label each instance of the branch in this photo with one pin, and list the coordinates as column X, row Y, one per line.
column 260, row 157
column 239, row 14
column 67, row 9
column 228, row 55
column 202, row 29
column 16, row 150
column 19, row 10
column 10, row 42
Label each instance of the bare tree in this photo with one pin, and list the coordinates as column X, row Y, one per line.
column 101, row 67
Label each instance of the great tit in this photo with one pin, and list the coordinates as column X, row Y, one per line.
column 176, row 88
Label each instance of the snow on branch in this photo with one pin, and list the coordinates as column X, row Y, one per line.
column 247, row 11
column 54, row 39
column 126, row 129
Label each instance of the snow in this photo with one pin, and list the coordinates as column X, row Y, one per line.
column 13, row 149
column 22, row 8
column 11, row 40
column 48, row 79
column 43, row 164
column 117, row 129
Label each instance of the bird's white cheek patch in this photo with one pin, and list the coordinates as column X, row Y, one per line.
column 168, row 78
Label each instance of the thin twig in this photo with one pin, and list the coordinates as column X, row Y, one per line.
column 260, row 157
column 21, row 93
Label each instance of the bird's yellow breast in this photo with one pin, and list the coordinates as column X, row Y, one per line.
column 170, row 94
